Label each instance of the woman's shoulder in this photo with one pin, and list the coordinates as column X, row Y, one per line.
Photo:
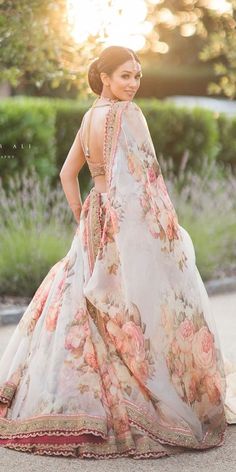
column 126, row 108
column 121, row 105
column 126, row 104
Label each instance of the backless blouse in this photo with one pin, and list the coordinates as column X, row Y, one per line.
column 95, row 168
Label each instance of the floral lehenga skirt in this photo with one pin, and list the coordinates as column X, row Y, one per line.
column 65, row 387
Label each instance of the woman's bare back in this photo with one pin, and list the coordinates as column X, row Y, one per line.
column 92, row 134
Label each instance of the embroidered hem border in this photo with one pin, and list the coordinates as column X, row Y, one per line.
column 37, row 434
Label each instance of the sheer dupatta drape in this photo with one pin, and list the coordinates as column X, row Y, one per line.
column 149, row 291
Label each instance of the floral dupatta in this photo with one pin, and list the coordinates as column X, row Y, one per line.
column 148, row 290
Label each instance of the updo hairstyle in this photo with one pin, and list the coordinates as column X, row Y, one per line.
column 108, row 61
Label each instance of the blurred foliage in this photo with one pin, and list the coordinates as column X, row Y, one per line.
column 194, row 32
column 179, row 130
column 49, row 126
column 39, row 53
column 221, row 48
column 37, row 226
column 37, row 46
column 227, row 139
column 164, row 80
column 27, row 131
column 38, row 132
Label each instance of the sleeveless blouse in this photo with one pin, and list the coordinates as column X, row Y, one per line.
column 95, row 168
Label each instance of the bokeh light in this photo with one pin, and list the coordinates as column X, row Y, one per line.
column 118, row 22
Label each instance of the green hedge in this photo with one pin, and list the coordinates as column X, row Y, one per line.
column 176, row 129
column 24, row 123
column 50, row 126
column 69, row 115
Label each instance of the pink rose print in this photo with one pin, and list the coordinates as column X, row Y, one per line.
column 74, row 338
column 151, row 175
column 161, row 185
column 116, row 333
column 213, row 388
column 145, row 202
column 175, row 347
column 80, row 314
column 191, row 381
column 52, row 316
column 178, row 367
column 54, row 309
column 219, row 382
column 177, row 384
column 203, row 348
column 141, row 371
column 130, row 342
column 184, row 335
column 172, row 227
column 153, row 223
column 135, row 341
column 89, row 354
column 135, row 166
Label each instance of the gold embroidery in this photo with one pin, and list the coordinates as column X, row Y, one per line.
column 112, row 127
column 7, row 392
column 156, row 440
column 96, row 168
column 94, row 232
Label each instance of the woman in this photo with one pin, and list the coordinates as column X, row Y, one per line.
column 117, row 354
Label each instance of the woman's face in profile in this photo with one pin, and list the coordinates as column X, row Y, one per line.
column 125, row 80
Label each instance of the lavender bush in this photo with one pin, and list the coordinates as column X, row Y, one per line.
column 206, row 208
column 37, row 228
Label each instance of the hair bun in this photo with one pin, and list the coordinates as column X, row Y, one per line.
column 94, row 65
column 94, row 77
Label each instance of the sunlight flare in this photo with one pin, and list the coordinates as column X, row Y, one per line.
column 118, row 22
column 220, row 6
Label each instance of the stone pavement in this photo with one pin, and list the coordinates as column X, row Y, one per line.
column 220, row 459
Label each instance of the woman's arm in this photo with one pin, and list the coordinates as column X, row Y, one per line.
column 69, row 176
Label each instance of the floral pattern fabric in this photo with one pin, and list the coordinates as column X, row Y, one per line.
column 117, row 353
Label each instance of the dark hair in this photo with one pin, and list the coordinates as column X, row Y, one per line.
column 109, row 59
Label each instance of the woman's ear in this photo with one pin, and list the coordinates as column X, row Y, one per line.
column 105, row 79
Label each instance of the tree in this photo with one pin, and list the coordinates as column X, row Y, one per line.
column 36, row 45
column 209, row 34
column 221, row 48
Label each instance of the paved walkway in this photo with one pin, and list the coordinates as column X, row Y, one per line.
column 219, row 105
column 220, row 459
